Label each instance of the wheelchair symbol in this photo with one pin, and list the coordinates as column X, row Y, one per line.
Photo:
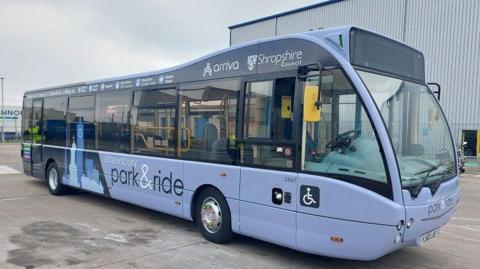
column 310, row 196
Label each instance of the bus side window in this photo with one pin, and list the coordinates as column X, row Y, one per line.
column 36, row 122
column 80, row 121
column 153, row 122
column 268, row 123
column 111, row 121
column 208, row 113
column 342, row 144
column 54, row 120
column 283, row 108
column 27, row 120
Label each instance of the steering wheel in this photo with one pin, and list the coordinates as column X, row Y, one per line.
column 343, row 140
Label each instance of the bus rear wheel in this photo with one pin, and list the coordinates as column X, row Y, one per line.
column 213, row 216
column 53, row 180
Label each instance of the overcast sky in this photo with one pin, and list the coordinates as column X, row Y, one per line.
column 47, row 43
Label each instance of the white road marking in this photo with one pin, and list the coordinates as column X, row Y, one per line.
column 90, row 243
column 467, row 219
column 12, row 199
column 5, row 170
column 15, row 198
column 116, row 237
column 460, row 237
column 93, row 229
column 473, row 228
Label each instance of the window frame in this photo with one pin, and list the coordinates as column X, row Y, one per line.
column 238, row 118
column 27, row 118
column 384, row 189
column 31, row 121
column 242, row 139
column 390, row 140
column 129, row 102
column 246, row 124
column 45, row 118
column 175, row 106
column 68, row 140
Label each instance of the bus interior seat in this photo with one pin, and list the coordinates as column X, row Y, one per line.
column 209, row 136
column 219, row 150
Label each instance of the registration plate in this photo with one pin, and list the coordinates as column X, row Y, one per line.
column 429, row 236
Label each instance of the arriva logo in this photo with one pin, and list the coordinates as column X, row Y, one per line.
column 220, row 67
column 207, row 70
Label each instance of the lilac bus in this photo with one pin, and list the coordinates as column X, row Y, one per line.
column 328, row 142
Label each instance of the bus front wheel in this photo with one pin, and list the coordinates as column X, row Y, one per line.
column 213, row 216
column 53, row 180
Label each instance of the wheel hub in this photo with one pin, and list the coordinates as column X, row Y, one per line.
column 211, row 215
column 53, row 179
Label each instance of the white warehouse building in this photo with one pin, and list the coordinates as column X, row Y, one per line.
column 446, row 31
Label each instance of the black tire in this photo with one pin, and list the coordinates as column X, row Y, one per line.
column 54, row 188
column 214, row 199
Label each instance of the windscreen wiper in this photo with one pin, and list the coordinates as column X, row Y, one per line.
column 447, row 172
column 420, row 185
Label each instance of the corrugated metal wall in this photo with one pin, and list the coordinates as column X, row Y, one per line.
column 255, row 31
column 357, row 12
column 385, row 16
column 446, row 31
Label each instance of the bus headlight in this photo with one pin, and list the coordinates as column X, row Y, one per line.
column 399, row 225
column 409, row 223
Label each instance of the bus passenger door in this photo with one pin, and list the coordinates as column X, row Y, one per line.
column 268, row 195
column 36, row 131
column 27, row 136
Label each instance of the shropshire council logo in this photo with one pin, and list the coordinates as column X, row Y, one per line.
column 252, row 62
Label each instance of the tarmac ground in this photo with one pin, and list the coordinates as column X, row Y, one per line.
column 82, row 230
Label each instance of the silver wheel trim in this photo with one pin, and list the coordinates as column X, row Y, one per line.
column 211, row 215
column 53, row 178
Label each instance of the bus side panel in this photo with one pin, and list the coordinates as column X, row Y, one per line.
column 430, row 212
column 151, row 182
column 342, row 200
column 27, row 167
column 37, row 162
column 225, row 178
column 235, row 214
column 347, row 221
column 57, row 155
column 83, row 170
column 27, row 158
column 262, row 214
column 359, row 241
column 268, row 223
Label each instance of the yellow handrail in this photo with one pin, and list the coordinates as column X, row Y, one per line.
column 166, row 148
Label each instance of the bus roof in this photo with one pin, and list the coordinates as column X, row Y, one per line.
column 261, row 56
